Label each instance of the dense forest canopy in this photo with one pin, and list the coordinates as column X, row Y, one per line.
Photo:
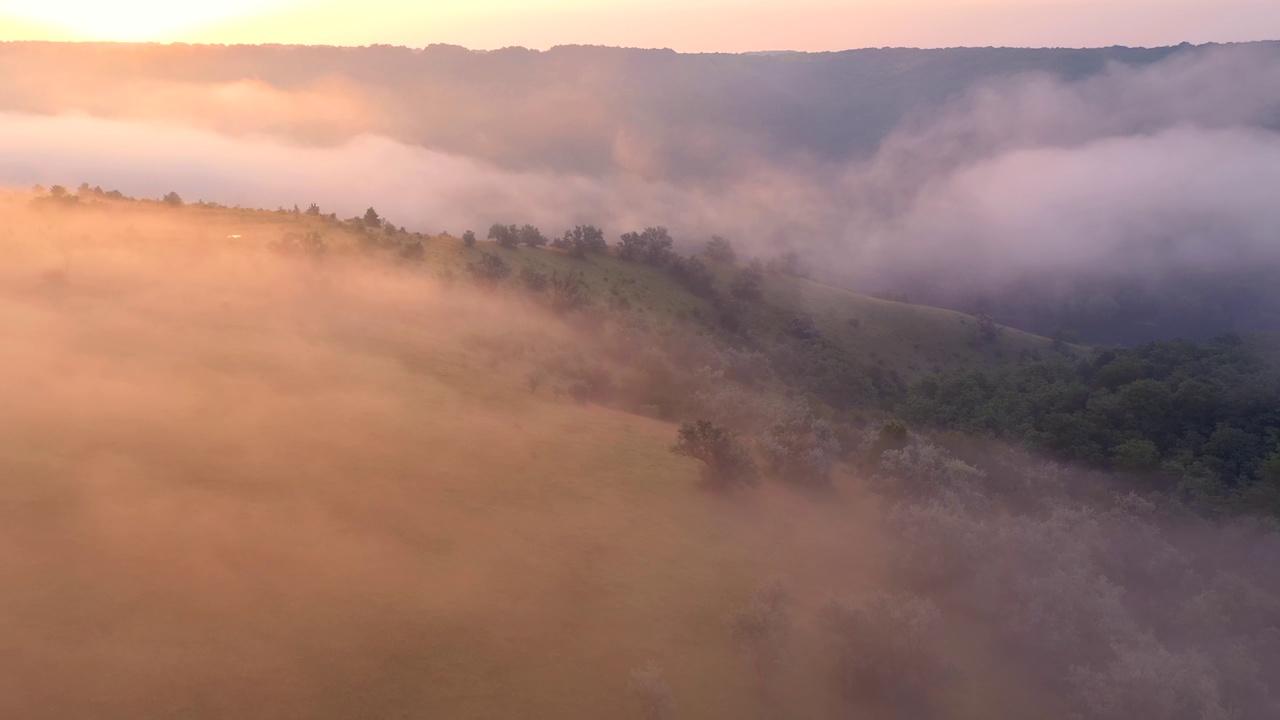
column 1199, row 419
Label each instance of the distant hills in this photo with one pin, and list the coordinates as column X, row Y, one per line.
column 1111, row 195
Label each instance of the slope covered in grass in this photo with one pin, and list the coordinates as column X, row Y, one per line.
column 240, row 486
column 910, row 340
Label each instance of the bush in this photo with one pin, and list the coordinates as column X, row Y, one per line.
column 731, row 405
column 720, row 250
column 802, row 327
column 926, row 471
column 531, row 236
column 489, row 269
column 786, row 264
column 507, row 236
column 727, row 461
column 311, row 244
column 568, row 291
column 469, row 238
column 887, row 647
column 412, row 251
column 693, row 274
column 653, row 246
column 800, row 447
column 936, row 543
column 582, row 240
column 533, row 280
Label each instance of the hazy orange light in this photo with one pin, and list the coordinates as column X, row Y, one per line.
column 130, row 20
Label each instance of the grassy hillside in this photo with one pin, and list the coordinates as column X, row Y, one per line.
column 910, row 340
column 241, row 487
column 244, row 482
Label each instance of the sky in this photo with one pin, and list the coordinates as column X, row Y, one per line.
column 683, row 25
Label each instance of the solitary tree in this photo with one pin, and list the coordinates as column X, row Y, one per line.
column 173, row 199
column 505, row 235
column 720, row 250
column 469, row 238
column 726, row 459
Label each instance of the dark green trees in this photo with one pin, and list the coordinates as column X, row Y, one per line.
column 727, row 461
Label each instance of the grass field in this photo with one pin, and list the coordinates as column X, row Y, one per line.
column 240, row 487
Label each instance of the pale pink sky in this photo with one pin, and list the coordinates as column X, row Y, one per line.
column 685, row 25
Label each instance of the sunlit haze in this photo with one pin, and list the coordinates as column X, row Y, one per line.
column 640, row 359
column 684, row 25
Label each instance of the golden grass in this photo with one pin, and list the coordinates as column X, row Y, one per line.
column 240, row 487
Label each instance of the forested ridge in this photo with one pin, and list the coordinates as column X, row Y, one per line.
column 1201, row 420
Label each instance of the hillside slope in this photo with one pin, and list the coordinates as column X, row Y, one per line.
column 240, row 486
column 901, row 338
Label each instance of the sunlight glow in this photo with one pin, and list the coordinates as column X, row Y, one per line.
column 132, row 20
column 685, row 25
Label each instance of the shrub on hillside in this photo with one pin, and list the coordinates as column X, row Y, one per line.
column 726, row 460
column 720, row 250
column 786, row 264
column 411, row 250
column 888, row 650
column 311, row 244
column 800, row 447
column 581, row 241
column 653, row 246
column 533, row 280
column 531, row 236
column 693, row 274
column 936, row 543
column 507, row 236
column 923, row 471
column 568, row 291
column 469, row 238
column 489, row 269
column 731, row 405
column 802, row 327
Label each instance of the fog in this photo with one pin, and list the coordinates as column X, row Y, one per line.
column 1135, row 172
column 243, row 487
column 247, row 485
